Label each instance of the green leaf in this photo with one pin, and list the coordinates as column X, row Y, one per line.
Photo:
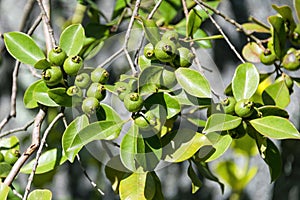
column 107, row 113
column 273, row 110
column 199, row 35
column 286, row 13
column 40, row 195
column 151, row 30
column 193, row 23
column 40, row 94
column 23, row 48
column 196, row 182
column 245, row 81
column 202, row 12
column 278, row 35
column 60, row 97
column 72, row 39
column 245, row 146
column 138, row 185
column 149, row 79
column 275, row 127
column 5, row 168
column 221, row 122
column 186, row 99
column 255, row 28
column 47, row 163
column 297, row 8
column 9, row 143
column 251, row 52
column 70, row 133
column 165, row 100
column 42, row 64
column 28, row 99
column 158, row 190
column 193, row 82
column 140, row 149
column 4, row 189
column 184, row 144
column 276, row 94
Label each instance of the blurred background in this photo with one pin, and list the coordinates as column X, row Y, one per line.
column 68, row 181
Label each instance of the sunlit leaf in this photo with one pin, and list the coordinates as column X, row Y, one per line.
column 255, row 28
column 276, row 94
column 221, row 122
column 278, row 35
column 4, row 189
column 40, row 94
column 72, row 39
column 39, row 194
column 193, row 23
column 251, row 52
column 28, row 99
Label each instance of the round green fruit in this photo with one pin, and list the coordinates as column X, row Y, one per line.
column 149, row 51
column 11, row 156
column 291, row 61
column 96, row 90
column 244, row 108
column 184, row 57
column 57, row 56
column 170, row 35
column 82, row 80
column 74, row 91
column 168, row 79
column 99, row 75
column 52, row 75
column 90, row 105
column 72, row 65
column 267, row 57
column 165, row 50
column 228, row 105
column 1, row 157
column 133, row 102
column 122, row 89
column 145, row 121
column 287, row 79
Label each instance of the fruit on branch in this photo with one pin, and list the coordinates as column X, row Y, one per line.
column 11, row 156
column 228, row 105
column 57, row 56
column 291, row 61
column 244, row 108
column 267, row 57
column 133, row 102
column 99, row 75
column 145, row 121
column 96, row 90
column 52, row 75
column 184, row 57
column 82, row 80
column 72, row 65
column 90, row 105
column 149, row 51
column 165, row 50
column 170, row 35
column 74, row 91
column 122, row 88
column 287, row 80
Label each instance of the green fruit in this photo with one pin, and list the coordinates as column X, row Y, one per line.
column 122, row 88
column 133, row 102
column 170, row 35
column 228, row 105
column 267, row 57
column 1, row 157
column 287, row 79
column 74, row 91
column 90, row 105
column 57, row 56
column 168, row 79
column 145, row 121
column 82, row 80
column 291, row 61
column 99, row 75
column 11, row 156
column 52, row 75
column 96, row 90
column 165, row 50
column 72, row 65
column 244, row 108
column 149, row 51
column 239, row 131
column 184, row 57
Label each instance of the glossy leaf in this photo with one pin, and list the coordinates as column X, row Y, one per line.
column 193, row 23
column 202, row 12
column 138, row 185
column 255, row 28
column 9, row 142
column 42, row 64
column 198, row 37
column 185, row 98
column 149, row 80
column 4, row 189
column 297, row 8
column 28, row 99
column 245, row 81
column 286, row 13
column 165, row 100
column 72, row 39
column 273, row 110
column 276, row 94
column 279, row 35
column 275, row 127
column 151, row 30
column 59, row 96
column 251, row 52
column 40, row 94
column 46, row 163
column 196, row 182
column 39, row 194
column 5, row 168
column 183, row 145
column 193, row 82
column 221, row 122
column 70, row 133
column 107, row 113
column 23, row 48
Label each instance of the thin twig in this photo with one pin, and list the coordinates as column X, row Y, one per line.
column 111, row 58
column 27, row 11
column 16, row 193
column 24, row 128
column 88, row 177
column 39, row 153
column 221, row 31
column 154, row 9
column 35, row 25
column 35, row 142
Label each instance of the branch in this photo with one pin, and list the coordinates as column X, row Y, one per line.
column 24, row 128
column 39, row 153
column 35, row 142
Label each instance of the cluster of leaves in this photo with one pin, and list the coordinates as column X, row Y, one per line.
column 164, row 99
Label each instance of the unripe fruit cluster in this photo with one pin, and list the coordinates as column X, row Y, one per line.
column 8, row 159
